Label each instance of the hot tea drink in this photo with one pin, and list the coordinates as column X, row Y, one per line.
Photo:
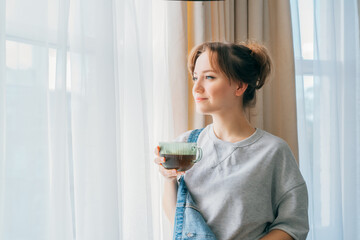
column 179, row 155
column 178, row 162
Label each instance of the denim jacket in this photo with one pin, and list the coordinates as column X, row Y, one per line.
column 189, row 223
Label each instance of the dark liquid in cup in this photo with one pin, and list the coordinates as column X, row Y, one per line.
column 178, row 162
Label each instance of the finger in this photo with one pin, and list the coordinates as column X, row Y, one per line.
column 159, row 160
column 180, row 173
column 157, row 150
column 169, row 173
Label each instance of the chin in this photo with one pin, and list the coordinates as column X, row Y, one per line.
column 203, row 110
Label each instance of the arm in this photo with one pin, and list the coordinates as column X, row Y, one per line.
column 170, row 187
column 290, row 203
column 291, row 216
column 169, row 199
column 277, row 234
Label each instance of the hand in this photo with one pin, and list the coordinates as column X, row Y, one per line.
column 277, row 234
column 169, row 174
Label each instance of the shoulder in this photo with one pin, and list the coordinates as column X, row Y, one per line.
column 274, row 141
column 278, row 155
column 274, row 146
column 286, row 174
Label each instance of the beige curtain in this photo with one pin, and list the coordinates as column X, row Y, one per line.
column 265, row 21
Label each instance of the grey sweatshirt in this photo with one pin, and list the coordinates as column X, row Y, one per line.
column 248, row 188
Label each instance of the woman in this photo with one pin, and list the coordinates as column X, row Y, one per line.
column 248, row 184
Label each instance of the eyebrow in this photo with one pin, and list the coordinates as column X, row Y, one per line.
column 206, row 71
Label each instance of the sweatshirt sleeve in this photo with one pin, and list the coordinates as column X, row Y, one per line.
column 292, row 213
column 290, row 196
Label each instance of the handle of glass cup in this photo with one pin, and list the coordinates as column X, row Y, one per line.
column 199, row 154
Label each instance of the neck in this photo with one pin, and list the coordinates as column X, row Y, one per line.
column 232, row 126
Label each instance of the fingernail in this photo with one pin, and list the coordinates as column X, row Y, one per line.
column 158, row 148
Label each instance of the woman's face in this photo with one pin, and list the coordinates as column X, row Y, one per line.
column 212, row 90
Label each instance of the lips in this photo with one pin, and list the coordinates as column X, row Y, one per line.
column 198, row 99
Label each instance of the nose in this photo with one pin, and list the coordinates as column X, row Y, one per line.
column 198, row 88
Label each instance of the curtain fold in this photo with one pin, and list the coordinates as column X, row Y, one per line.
column 2, row 113
column 92, row 119
column 163, row 127
column 61, row 198
column 177, row 46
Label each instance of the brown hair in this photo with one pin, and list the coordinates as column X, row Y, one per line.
column 245, row 62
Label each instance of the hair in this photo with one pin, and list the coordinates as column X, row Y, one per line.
column 249, row 63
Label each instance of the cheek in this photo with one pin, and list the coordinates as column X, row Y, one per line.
column 220, row 91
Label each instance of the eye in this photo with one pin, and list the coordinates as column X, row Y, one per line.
column 194, row 79
column 210, row 77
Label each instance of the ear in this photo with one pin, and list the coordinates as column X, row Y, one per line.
column 241, row 88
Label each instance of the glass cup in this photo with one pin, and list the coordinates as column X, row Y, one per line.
column 180, row 155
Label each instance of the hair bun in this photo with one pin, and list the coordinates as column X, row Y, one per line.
column 262, row 57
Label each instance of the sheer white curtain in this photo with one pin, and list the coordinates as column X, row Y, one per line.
column 328, row 103
column 77, row 120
